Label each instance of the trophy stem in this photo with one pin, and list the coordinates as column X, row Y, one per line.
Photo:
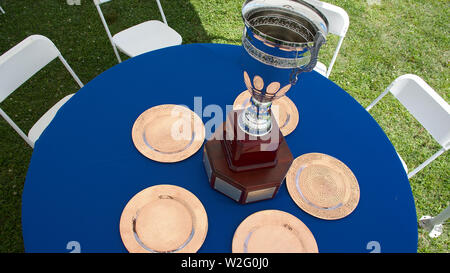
column 256, row 120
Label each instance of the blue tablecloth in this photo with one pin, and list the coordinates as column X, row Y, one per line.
column 85, row 168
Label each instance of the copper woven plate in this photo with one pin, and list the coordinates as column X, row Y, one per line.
column 323, row 186
column 284, row 111
column 163, row 218
column 168, row 133
column 273, row 231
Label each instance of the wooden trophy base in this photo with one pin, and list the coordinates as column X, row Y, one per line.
column 245, row 152
column 246, row 169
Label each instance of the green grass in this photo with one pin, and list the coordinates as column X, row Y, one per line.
column 385, row 40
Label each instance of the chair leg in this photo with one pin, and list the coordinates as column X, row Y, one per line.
column 105, row 25
column 117, row 54
column 336, row 52
column 424, row 164
column 162, row 12
column 377, row 99
column 67, row 66
column 16, row 128
column 434, row 225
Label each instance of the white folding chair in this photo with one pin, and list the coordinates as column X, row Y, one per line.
column 338, row 22
column 141, row 38
column 19, row 64
column 427, row 107
column 435, row 225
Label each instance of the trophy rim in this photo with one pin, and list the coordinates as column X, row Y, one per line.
column 291, row 46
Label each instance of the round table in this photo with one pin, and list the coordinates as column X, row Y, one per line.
column 85, row 168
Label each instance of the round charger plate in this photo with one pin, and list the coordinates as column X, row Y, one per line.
column 284, row 111
column 163, row 219
column 323, row 186
column 273, row 231
column 168, row 133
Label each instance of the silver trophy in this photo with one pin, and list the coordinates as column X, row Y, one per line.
column 248, row 157
column 282, row 39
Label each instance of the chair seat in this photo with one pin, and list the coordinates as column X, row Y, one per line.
column 145, row 37
column 321, row 68
column 39, row 127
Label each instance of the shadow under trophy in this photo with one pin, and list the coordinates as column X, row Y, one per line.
column 247, row 159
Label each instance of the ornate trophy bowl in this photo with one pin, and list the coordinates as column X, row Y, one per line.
column 282, row 39
column 248, row 158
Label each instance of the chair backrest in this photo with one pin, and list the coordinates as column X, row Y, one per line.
column 21, row 62
column 427, row 107
column 338, row 23
column 338, row 20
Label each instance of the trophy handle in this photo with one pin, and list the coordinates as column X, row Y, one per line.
column 319, row 40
